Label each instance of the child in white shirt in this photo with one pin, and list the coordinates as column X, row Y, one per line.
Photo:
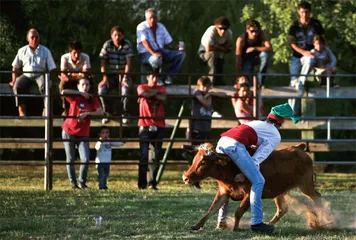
column 103, row 156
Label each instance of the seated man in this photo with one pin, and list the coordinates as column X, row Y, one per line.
column 72, row 64
column 216, row 41
column 32, row 57
column 152, row 39
column 253, row 48
column 116, row 56
column 300, row 38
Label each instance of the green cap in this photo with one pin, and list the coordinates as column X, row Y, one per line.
column 283, row 111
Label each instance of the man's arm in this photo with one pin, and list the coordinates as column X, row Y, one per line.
column 267, row 44
column 162, row 96
column 147, row 45
column 205, row 101
column 103, row 82
column 291, row 41
column 127, row 69
column 218, row 48
column 15, row 73
column 238, row 52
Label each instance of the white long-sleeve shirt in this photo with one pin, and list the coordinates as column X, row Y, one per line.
column 103, row 151
column 268, row 138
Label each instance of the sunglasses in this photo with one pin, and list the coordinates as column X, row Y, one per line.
column 254, row 31
column 223, row 28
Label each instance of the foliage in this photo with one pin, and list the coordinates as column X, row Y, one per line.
column 28, row 212
column 337, row 17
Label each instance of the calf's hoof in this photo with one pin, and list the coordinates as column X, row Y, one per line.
column 221, row 226
column 195, row 228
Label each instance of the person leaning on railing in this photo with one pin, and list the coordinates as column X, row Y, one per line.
column 30, row 58
column 151, row 128
column 76, row 129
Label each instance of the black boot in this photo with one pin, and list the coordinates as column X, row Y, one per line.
column 262, row 228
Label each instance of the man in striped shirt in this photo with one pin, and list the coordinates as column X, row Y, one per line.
column 116, row 58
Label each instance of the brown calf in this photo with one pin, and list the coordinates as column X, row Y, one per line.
column 283, row 170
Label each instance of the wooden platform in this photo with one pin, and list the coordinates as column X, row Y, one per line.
column 286, row 91
column 216, row 124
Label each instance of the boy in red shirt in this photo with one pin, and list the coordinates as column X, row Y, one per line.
column 151, row 127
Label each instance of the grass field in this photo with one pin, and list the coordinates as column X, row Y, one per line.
column 28, row 212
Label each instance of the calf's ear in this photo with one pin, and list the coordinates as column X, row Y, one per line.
column 222, row 161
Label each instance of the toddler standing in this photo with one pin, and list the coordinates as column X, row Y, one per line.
column 103, row 156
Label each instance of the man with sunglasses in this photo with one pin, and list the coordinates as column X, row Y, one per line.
column 216, row 41
column 253, row 48
column 300, row 38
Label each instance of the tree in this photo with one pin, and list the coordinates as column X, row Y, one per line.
column 337, row 17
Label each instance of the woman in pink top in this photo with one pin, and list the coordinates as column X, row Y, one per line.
column 242, row 104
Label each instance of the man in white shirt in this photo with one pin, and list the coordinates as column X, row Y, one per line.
column 154, row 45
column 30, row 58
column 216, row 41
column 74, row 65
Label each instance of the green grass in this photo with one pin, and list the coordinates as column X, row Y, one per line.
column 28, row 212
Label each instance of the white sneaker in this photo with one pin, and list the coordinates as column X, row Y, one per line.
column 217, row 115
column 160, row 83
column 105, row 121
column 124, row 120
column 168, row 80
column 293, row 82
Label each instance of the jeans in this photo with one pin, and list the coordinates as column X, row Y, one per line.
column 216, row 66
column 84, row 154
column 248, row 64
column 174, row 57
column 109, row 103
column 23, row 83
column 238, row 154
column 298, row 68
column 103, row 174
column 145, row 137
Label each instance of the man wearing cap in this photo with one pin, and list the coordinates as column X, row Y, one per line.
column 264, row 135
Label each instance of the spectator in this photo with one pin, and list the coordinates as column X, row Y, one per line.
column 264, row 135
column 154, row 45
column 325, row 60
column 242, row 103
column 301, row 35
column 216, row 41
column 74, row 65
column 200, row 129
column 103, row 156
column 32, row 57
column 76, row 129
column 116, row 61
column 151, row 128
column 253, row 48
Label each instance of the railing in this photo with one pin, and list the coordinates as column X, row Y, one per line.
column 49, row 140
